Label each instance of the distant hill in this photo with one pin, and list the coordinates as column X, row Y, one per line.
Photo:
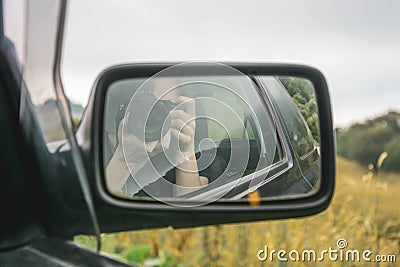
column 51, row 123
column 364, row 142
column 76, row 110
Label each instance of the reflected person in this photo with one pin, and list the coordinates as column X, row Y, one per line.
column 137, row 153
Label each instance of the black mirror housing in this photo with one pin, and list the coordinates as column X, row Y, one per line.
column 117, row 214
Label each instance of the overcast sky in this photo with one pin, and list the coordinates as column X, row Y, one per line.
column 356, row 44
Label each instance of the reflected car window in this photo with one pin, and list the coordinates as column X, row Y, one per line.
column 235, row 135
column 300, row 134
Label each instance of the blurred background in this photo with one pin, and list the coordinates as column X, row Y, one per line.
column 364, row 212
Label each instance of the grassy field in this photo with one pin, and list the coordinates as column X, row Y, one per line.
column 364, row 211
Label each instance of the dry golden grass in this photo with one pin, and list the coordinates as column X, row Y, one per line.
column 364, row 211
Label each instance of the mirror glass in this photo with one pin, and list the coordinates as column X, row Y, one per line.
column 194, row 138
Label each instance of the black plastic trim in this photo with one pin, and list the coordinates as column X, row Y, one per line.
column 55, row 252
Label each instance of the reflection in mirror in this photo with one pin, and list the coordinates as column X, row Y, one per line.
column 205, row 138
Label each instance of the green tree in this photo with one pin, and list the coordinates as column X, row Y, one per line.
column 364, row 142
column 392, row 162
column 302, row 92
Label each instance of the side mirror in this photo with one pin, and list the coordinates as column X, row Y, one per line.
column 206, row 143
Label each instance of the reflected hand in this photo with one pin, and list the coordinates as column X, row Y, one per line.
column 183, row 125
